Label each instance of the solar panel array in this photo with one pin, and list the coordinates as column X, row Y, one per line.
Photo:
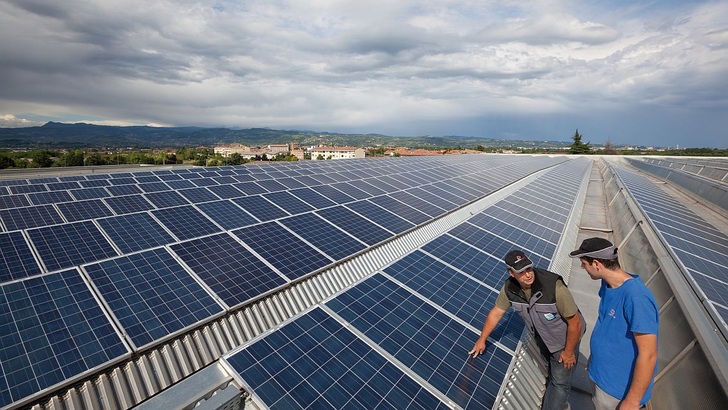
column 701, row 248
column 422, row 314
column 164, row 251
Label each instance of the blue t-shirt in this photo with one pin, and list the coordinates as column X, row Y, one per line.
column 623, row 311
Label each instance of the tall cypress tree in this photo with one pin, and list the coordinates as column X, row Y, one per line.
column 579, row 147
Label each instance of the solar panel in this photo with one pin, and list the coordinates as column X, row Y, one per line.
column 438, row 201
column 51, row 329
column 456, row 293
column 229, row 269
column 335, row 370
column 16, row 258
column 250, row 188
column 226, row 191
column 419, row 204
column 383, row 217
column 311, row 197
column 226, row 214
column 468, row 259
column 333, row 194
column 521, row 238
column 25, row 189
column 185, row 222
column 197, row 195
column 289, row 254
column 89, row 193
column 203, row 182
column 350, row 190
column 291, row 183
column 128, row 204
column 120, row 190
column 62, row 186
column 154, row 187
column 13, row 201
column 401, row 209
column 362, row 229
column 81, row 210
column 166, row 199
column 321, row 234
column 292, row 204
column 260, row 208
column 63, row 246
column 151, row 295
column 425, row 339
column 367, row 187
column 135, row 232
column 94, row 183
column 179, row 184
column 271, row 185
column 30, row 217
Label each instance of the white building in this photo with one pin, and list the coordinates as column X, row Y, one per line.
column 337, row 152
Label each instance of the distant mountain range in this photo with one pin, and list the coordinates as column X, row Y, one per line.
column 54, row 135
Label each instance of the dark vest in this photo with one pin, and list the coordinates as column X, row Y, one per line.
column 539, row 312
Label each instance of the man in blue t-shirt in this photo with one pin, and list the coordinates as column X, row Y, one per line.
column 623, row 358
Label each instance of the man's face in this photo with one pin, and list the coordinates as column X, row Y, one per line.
column 589, row 268
column 525, row 278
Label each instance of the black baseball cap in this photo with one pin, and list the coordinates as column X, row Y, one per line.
column 597, row 248
column 517, row 261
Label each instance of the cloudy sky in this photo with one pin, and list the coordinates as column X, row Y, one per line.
column 648, row 72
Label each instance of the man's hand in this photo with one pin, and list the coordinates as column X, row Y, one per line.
column 568, row 359
column 479, row 348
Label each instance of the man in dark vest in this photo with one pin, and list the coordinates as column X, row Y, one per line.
column 544, row 302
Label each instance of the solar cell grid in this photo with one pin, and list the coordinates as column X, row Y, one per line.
column 203, row 182
column 182, row 184
column 81, row 210
column 451, row 194
column 370, row 189
column 135, row 232
column 197, row 195
column 260, row 208
column 321, row 234
column 49, row 180
column 30, row 217
column 333, row 194
column 128, row 204
column 69, row 178
column 384, row 218
column 419, row 204
column 142, row 178
column 16, row 258
column 271, row 185
column 185, row 222
column 224, row 180
column 13, row 201
column 311, row 197
column 63, row 246
column 456, row 293
column 63, row 186
column 524, row 238
column 122, row 181
column 169, row 177
column 289, row 254
column 41, row 198
column 356, row 225
column 151, row 295
column 98, row 177
column 244, row 178
column 291, row 183
column 399, row 208
column 425, row 339
column 323, row 179
column 51, row 329
column 154, row 187
column 350, row 190
column 336, row 370
column 477, row 264
column 488, row 242
column 226, row 191
column 288, row 202
column 250, row 188
column 25, row 189
column 438, row 201
column 94, row 183
column 120, row 190
column 166, row 199
column 229, row 269
column 227, row 214
column 89, row 193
